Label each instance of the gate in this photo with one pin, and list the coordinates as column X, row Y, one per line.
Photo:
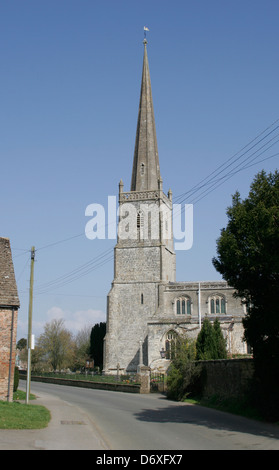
column 157, row 382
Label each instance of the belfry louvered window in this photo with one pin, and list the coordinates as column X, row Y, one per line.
column 139, row 219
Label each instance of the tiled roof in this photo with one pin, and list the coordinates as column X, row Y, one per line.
column 8, row 287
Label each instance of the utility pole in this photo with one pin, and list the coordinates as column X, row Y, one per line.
column 28, row 378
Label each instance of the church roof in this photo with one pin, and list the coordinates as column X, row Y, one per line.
column 8, row 287
column 146, row 171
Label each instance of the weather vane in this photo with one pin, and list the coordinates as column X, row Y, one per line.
column 145, row 29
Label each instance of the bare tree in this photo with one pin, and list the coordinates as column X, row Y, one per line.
column 56, row 344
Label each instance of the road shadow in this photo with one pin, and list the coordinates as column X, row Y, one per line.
column 184, row 413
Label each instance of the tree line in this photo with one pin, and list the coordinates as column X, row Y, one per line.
column 57, row 348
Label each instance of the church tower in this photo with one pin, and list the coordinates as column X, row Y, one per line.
column 144, row 258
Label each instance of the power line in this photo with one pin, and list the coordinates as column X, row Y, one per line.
column 59, row 241
column 218, row 170
column 210, row 183
column 25, row 265
column 182, row 197
column 234, row 171
column 73, row 237
column 77, row 273
column 232, row 174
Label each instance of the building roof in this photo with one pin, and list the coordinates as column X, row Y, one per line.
column 8, row 287
column 146, row 171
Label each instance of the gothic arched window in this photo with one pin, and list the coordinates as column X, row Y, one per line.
column 217, row 304
column 183, row 306
column 171, row 342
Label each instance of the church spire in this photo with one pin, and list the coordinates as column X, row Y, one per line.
column 146, row 171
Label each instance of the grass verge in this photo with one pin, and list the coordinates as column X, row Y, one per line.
column 21, row 395
column 15, row 415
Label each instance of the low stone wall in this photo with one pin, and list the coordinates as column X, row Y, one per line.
column 115, row 387
column 227, row 378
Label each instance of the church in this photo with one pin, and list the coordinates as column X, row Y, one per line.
column 146, row 308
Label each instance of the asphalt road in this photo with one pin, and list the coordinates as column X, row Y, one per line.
column 125, row 421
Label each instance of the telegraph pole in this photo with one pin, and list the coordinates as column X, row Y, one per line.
column 28, row 378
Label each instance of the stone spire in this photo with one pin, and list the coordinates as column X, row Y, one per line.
column 146, row 171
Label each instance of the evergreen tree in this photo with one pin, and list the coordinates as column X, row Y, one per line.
column 248, row 259
column 96, row 343
column 220, row 342
column 211, row 343
column 206, row 342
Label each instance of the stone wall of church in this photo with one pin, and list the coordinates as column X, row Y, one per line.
column 146, row 312
column 137, row 264
column 197, row 305
column 142, row 304
column 144, row 249
column 158, row 332
column 208, row 291
column 129, row 307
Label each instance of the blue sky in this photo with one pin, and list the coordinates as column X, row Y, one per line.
column 70, row 84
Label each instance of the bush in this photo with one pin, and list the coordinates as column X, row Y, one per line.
column 184, row 375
